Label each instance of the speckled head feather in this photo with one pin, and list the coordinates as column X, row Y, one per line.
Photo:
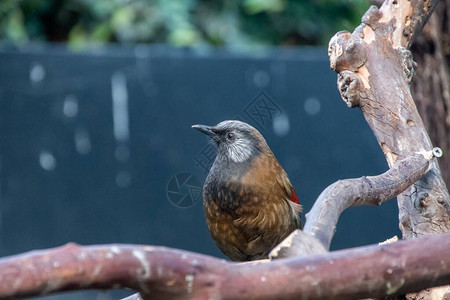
column 237, row 141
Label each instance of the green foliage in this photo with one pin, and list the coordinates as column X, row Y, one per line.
column 178, row 22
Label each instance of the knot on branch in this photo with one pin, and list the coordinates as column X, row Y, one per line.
column 349, row 86
column 346, row 52
column 408, row 64
column 347, row 55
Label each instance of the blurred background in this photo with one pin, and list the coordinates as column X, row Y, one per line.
column 97, row 99
column 233, row 24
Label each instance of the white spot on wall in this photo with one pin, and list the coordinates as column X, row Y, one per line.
column 312, row 106
column 82, row 141
column 123, row 179
column 261, row 78
column 120, row 107
column 281, row 125
column 47, row 161
column 37, row 73
column 70, row 106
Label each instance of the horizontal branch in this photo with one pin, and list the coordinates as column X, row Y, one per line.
column 163, row 273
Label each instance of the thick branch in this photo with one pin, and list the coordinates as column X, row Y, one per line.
column 374, row 70
column 162, row 273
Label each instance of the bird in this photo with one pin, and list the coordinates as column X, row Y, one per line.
column 249, row 202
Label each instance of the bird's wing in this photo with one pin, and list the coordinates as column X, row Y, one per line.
column 289, row 192
column 290, row 196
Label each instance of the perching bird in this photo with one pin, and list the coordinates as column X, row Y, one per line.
column 249, row 202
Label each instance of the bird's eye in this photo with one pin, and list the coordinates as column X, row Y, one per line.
column 231, row 136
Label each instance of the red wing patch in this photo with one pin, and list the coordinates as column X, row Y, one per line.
column 293, row 197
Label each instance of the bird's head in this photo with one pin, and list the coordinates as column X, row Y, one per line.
column 236, row 141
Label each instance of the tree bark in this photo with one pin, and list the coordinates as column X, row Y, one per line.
column 431, row 85
column 375, row 68
column 163, row 273
column 431, row 90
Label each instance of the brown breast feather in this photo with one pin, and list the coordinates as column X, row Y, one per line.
column 260, row 222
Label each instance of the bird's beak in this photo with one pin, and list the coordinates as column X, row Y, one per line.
column 208, row 130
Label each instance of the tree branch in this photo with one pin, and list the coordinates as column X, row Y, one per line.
column 371, row 190
column 375, row 69
column 407, row 19
column 163, row 273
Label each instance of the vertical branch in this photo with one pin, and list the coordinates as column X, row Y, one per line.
column 375, row 69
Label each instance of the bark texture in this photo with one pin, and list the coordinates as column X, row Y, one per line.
column 163, row 273
column 431, row 85
column 431, row 90
column 375, row 68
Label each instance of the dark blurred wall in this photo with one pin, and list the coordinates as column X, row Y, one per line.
column 92, row 142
